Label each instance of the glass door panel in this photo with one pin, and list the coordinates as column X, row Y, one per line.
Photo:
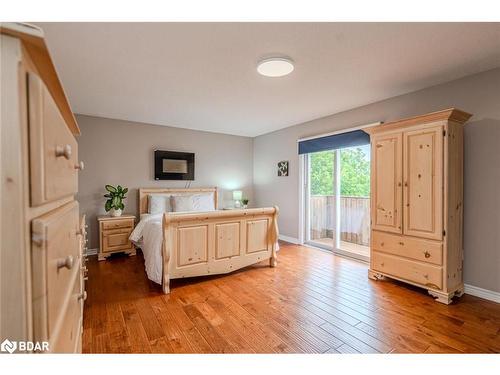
column 320, row 199
column 354, row 203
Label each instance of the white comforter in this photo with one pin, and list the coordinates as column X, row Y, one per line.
column 148, row 236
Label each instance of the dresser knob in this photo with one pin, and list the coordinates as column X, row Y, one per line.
column 63, row 151
column 80, row 166
column 427, row 254
column 37, row 240
column 401, row 243
column 83, row 295
column 66, row 262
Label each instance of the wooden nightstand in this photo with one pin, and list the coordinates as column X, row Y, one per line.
column 113, row 235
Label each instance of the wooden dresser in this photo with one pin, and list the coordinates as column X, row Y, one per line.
column 113, row 235
column 417, row 202
column 43, row 236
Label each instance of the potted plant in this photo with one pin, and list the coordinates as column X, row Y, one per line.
column 114, row 205
column 245, row 202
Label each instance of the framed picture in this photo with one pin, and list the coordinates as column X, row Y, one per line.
column 283, row 168
column 173, row 165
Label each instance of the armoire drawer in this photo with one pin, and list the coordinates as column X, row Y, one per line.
column 427, row 275
column 67, row 337
column 53, row 148
column 55, row 259
column 409, row 247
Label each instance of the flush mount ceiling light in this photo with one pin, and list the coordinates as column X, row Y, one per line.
column 275, row 67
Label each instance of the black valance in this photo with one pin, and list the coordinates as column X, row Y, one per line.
column 335, row 141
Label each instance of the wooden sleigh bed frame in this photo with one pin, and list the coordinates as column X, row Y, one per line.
column 216, row 242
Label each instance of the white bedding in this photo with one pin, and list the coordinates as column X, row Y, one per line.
column 148, row 236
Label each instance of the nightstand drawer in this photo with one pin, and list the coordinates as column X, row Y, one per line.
column 115, row 224
column 113, row 240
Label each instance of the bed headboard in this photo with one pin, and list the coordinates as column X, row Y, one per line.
column 144, row 192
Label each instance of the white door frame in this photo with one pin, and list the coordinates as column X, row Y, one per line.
column 304, row 197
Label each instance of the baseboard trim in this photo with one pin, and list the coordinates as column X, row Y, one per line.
column 490, row 295
column 293, row 240
column 92, row 251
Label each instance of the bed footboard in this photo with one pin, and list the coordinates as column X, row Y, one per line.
column 211, row 243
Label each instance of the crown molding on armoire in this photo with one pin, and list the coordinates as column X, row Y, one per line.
column 451, row 114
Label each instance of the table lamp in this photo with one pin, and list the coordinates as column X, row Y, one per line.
column 237, row 197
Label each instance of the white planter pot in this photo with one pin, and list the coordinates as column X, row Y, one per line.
column 115, row 213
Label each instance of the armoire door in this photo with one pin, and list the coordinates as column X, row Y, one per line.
column 387, row 158
column 423, row 180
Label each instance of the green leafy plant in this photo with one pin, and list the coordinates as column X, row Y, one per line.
column 245, row 201
column 115, row 196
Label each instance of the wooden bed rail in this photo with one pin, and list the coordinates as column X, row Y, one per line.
column 187, row 216
column 217, row 242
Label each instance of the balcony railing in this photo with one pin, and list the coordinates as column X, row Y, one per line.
column 354, row 218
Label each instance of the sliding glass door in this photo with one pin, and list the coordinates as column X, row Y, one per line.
column 337, row 192
column 320, row 194
column 354, row 205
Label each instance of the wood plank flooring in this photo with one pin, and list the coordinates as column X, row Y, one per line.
column 312, row 302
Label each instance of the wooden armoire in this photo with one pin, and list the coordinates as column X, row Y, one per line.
column 417, row 202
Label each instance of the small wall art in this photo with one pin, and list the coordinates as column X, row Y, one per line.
column 283, row 168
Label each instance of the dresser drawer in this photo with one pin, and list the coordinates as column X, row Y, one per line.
column 55, row 259
column 115, row 224
column 427, row 275
column 409, row 247
column 53, row 148
column 68, row 336
column 113, row 240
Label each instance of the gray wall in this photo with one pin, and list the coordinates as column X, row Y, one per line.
column 121, row 152
column 478, row 94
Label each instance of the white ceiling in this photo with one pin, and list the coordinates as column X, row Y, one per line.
column 203, row 75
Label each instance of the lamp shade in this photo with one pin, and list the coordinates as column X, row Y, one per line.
column 237, row 195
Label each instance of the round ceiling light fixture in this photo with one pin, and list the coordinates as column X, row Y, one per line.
column 275, row 67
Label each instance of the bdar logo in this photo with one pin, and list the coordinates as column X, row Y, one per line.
column 8, row 346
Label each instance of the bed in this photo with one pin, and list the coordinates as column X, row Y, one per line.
column 200, row 240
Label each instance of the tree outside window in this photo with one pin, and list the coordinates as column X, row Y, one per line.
column 354, row 172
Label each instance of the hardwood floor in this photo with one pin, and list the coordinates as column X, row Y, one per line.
column 312, row 302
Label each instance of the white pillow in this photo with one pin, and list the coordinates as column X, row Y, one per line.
column 203, row 202
column 159, row 203
column 192, row 202
column 182, row 203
